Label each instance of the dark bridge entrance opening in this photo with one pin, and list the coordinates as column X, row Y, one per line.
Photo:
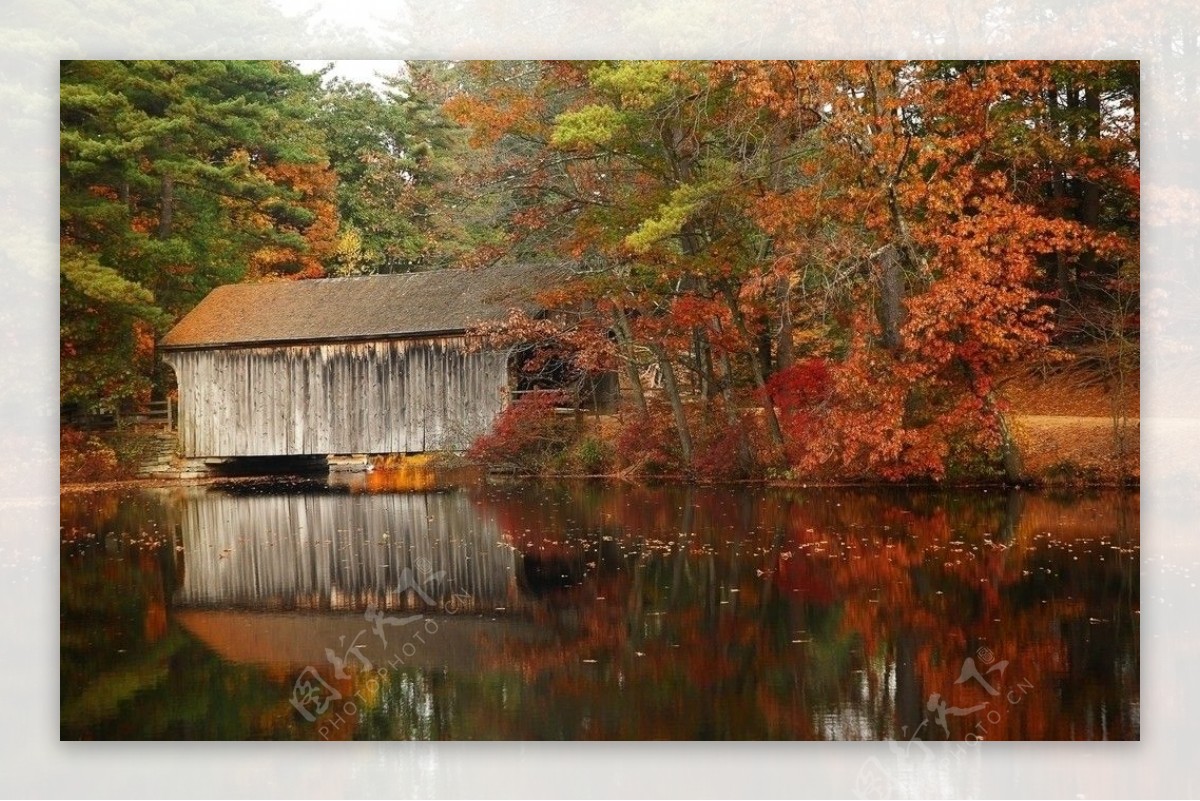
column 239, row 466
column 548, row 366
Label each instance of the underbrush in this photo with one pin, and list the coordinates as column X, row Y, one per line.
column 532, row 437
column 529, row 436
column 91, row 456
column 822, row 444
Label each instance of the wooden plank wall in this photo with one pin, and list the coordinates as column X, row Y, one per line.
column 339, row 552
column 388, row 396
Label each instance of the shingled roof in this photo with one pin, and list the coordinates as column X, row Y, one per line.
column 367, row 307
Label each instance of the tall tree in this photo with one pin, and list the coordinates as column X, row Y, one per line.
column 909, row 221
column 177, row 176
column 932, row 210
column 643, row 172
column 399, row 159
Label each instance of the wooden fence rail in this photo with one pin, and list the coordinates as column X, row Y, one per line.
column 164, row 412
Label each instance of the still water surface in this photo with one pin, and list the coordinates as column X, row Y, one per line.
column 572, row 610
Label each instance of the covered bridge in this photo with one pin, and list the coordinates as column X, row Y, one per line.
column 374, row 364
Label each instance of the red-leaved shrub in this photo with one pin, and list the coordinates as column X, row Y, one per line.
column 723, row 451
column 527, row 436
column 798, row 393
column 800, row 386
column 648, row 444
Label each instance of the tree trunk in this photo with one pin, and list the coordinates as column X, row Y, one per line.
column 784, row 350
column 1063, row 277
column 625, row 342
column 1010, row 454
column 702, row 353
column 672, row 390
column 1089, row 191
column 166, row 206
column 1089, row 209
column 1062, row 267
column 731, row 415
column 725, row 386
column 891, row 297
column 760, row 381
column 765, row 342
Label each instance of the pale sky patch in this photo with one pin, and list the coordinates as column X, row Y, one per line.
column 369, row 27
column 372, row 72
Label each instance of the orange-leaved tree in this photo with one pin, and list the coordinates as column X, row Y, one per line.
column 924, row 223
column 919, row 226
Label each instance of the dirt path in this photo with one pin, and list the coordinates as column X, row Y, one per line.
column 1073, row 448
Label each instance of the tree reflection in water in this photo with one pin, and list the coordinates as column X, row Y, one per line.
column 610, row 611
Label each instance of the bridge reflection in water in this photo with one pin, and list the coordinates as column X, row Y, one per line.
column 341, row 552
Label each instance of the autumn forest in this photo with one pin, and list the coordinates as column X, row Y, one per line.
column 820, row 271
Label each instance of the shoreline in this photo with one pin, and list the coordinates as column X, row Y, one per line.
column 774, row 483
column 1070, row 452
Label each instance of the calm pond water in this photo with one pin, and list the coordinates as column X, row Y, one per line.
column 559, row 610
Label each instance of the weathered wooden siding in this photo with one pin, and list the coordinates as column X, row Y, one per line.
column 388, row 396
column 339, row 551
